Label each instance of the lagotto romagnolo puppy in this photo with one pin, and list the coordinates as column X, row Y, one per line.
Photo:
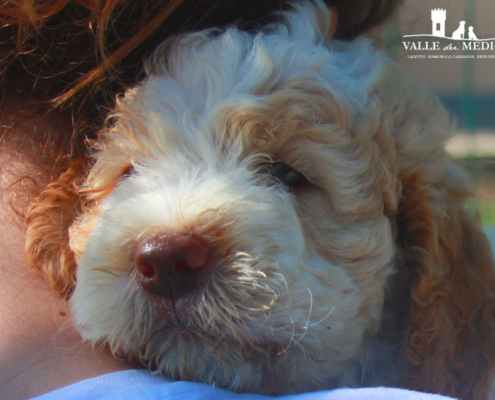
column 274, row 212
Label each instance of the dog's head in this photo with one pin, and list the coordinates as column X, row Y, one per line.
column 275, row 212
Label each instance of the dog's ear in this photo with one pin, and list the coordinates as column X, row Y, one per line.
column 47, row 234
column 449, row 346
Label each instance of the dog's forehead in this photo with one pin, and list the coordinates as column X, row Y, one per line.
column 202, row 75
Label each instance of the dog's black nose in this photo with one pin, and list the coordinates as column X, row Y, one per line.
column 171, row 265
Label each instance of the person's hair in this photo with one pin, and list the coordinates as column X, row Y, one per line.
column 70, row 57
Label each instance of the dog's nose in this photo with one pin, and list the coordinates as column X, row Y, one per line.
column 171, row 265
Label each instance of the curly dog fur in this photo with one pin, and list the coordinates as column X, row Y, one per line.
column 367, row 272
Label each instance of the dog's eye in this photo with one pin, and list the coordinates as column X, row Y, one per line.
column 127, row 172
column 287, row 175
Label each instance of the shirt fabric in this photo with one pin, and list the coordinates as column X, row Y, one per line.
column 140, row 385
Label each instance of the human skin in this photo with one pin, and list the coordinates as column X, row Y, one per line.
column 40, row 350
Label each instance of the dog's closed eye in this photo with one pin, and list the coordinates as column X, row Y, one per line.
column 127, row 172
column 286, row 175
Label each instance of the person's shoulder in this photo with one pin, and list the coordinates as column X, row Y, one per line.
column 139, row 385
column 114, row 385
column 376, row 393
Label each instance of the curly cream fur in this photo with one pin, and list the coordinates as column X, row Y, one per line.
column 305, row 293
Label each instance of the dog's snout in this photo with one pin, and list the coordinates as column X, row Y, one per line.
column 171, row 265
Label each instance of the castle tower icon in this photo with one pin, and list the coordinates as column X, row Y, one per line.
column 438, row 17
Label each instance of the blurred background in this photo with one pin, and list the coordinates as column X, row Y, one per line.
column 465, row 85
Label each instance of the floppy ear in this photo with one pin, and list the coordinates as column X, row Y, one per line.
column 449, row 346
column 48, row 221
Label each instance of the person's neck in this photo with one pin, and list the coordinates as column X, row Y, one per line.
column 40, row 351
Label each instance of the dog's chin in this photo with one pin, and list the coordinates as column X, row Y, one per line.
column 243, row 357
column 199, row 356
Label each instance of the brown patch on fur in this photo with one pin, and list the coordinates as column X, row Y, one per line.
column 450, row 341
column 48, row 221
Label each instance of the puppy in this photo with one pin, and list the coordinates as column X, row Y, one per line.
column 460, row 32
column 275, row 213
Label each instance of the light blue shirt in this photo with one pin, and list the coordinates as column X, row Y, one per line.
column 139, row 385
